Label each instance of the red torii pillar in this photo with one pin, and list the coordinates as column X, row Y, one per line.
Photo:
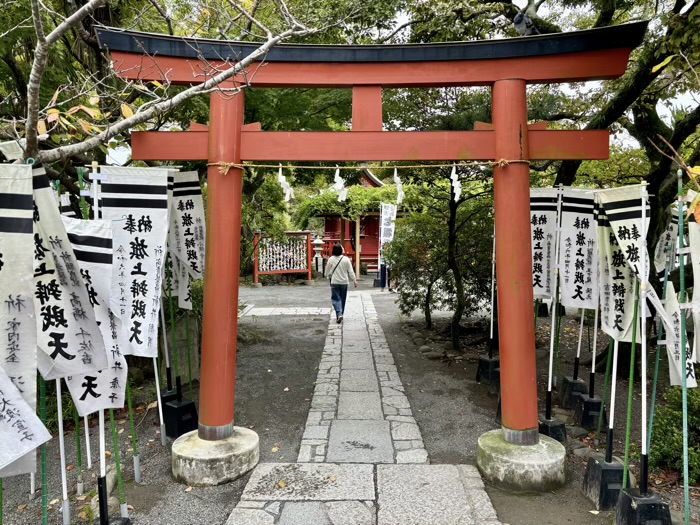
column 506, row 65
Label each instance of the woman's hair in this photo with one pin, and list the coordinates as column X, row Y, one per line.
column 337, row 249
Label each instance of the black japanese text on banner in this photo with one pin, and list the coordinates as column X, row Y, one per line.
column 17, row 321
column 666, row 247
column 68, row 337
column 617, row 282
column 92, row 244
column 623, row 208
column 188, row 210
column 386, row 226
column 673, row 347
column 543, row 220
column 21, row 432
column 136, row 200
column 578, row 251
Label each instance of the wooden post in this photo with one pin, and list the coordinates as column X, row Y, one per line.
column 358, row 248
column 256, row 257
column 220, row 325
column 514, row 265
column 309, row 256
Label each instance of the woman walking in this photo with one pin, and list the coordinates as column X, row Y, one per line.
column 339, row 271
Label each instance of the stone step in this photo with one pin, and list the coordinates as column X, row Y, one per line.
column 347, row 494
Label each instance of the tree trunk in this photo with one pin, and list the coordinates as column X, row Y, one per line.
column 426, row 308
column 456, row 272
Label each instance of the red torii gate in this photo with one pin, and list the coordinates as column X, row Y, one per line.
column 508, row 66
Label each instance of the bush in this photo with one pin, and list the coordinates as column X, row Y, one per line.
column 667, row 438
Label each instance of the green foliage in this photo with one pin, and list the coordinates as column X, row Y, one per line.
column 667, row 440
column 360, row 200
column 419, row 253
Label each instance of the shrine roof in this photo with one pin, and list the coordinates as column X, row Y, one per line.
column 626, row 36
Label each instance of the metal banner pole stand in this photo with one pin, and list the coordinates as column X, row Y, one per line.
column 123, row 508
column 134, row 438
column 603, row 478
column 62, row 452
column 488, row 372
column 573, row 387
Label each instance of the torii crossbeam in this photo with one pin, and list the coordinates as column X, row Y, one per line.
column 508, row 66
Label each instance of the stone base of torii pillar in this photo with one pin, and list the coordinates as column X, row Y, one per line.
column 198, row 462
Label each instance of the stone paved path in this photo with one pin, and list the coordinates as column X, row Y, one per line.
column 362, row 460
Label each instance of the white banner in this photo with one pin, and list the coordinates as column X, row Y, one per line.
column 694, row 243
column 21, row 432
column 667, row 245
column 578, row 251
column 136, row 200
column 386, row 226
column 92, row 244
column 68, row 337
column 617, row 282
column 673, row 347
column 17, row 322
column 543, row 222
column 188, row 210
column 184, row 297
column 66, row 208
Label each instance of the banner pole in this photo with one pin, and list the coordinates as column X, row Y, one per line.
column 173, row 342
column 44, row 477
column 555, row 310
column 159, row 400
column 101, row 480
column 681, row 244
column 594, row 351
column 644, row 459
column 630, row 394
column 493, row 290
column 580, row 340
column 134, row 437
column 652, row 411
column 87, row 442
column 611, row 421
column 189, row 350
column 79, row 453
column 124, row 511
column 168, row 372
column 62, row 453
column 605, row 389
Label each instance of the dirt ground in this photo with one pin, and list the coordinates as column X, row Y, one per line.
column 277, row 365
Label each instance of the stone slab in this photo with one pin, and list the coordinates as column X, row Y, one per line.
column 360, row 441
column 358, row 381
column 304, row 513
column 422, row 494
column 310, row 482
column 357, row 361
column 360, row 405
column 245, row 516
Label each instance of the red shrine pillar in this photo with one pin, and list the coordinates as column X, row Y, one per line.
column 516, row 328
column 220, row 326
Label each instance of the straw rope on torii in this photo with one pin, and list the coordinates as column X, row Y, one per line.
column 224, row 167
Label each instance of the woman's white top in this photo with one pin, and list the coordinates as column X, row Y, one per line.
column 344, row 274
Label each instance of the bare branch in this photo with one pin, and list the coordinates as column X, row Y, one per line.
column 73, row 20
column 165, row 16
column 251, row 18
column 160, row 108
